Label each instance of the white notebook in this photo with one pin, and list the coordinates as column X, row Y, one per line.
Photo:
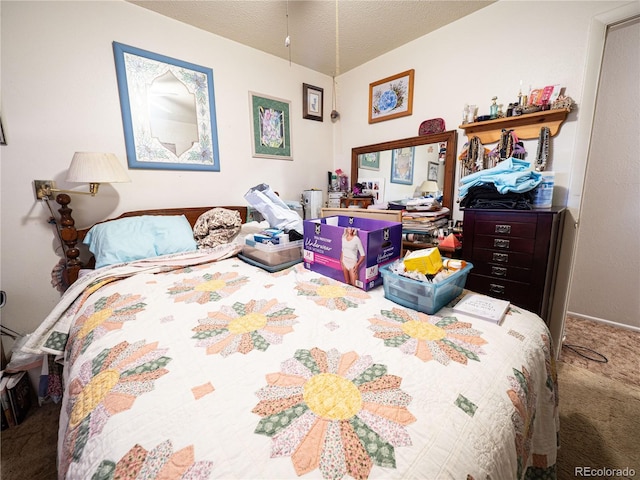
column 483, row 306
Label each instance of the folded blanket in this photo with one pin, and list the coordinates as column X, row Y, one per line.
column 486, row 196
column 510, row 175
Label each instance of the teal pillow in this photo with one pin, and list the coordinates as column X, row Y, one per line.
column 135, row 238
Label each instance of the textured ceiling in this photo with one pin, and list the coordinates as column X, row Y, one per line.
column 366, row 29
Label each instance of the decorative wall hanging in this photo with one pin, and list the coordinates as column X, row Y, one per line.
column 312, row 102
column 270, row 127
column 391, row 97
column 402, row 165
column 168, row 111
column 429, row 127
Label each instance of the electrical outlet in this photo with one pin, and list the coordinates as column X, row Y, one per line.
column 41, row 186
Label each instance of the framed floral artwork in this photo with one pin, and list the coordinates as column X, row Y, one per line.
column 270, row 127
column 369, row 161
column 402, row 165
column 391, row 97
column 312, row 102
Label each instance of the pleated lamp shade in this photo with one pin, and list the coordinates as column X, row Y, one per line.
column 94, row 167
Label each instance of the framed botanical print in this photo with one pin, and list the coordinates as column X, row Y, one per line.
column 369, row 161
column 391, row 97
column 402, row 165
column 270, row 127
column 312, row 102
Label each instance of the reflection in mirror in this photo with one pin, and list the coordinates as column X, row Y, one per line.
column 172, row 113
column 433, row 159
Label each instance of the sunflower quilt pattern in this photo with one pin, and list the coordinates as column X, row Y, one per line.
column 223, row 370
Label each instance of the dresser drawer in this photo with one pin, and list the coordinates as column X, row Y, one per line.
column 518, row 293
column 514, row 254
column 517, row 244
column 507, row 259
column 506, row 228
column 503, row 272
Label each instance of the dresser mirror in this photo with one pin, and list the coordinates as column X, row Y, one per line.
column 398, row 169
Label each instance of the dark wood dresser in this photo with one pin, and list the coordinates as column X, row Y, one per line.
column 514, row 254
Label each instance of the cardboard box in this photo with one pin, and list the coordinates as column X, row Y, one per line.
column 381, row 242
column 426, row 261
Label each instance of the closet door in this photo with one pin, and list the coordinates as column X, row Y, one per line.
column 607, row 260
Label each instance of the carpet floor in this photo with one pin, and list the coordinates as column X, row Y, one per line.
column 599, row 413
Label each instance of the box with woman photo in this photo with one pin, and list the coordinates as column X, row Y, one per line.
column 351, row 249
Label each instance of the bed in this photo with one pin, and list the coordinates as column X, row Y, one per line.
column 198, row 365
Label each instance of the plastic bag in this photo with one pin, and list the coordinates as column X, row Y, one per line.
column 273, row 209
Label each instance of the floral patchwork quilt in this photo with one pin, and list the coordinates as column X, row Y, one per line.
column 222, row 370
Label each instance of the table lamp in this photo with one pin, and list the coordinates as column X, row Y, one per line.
column 429, row 187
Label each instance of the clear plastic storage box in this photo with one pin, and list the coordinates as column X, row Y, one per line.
column 273, row 255
column 423, row 296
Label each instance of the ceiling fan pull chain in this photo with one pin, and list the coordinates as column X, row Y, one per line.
column 287, row 40
column 334, row 100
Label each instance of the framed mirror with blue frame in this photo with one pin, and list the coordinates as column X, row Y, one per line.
column 168, row 111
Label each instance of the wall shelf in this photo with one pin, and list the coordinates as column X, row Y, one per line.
column 525, row 126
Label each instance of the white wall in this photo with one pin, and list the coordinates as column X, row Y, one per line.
column 59, row 95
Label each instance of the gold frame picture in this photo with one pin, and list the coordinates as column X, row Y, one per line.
column 391, row 97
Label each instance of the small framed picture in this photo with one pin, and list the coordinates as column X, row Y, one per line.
column 432, row 173
column 402, row 165
column 270, row 127
column 312, row 102
column 369, row 161
column 391, row 97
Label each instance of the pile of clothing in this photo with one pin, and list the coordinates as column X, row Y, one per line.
column 510, row 184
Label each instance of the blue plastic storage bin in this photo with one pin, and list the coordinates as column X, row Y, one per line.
column 423, row 296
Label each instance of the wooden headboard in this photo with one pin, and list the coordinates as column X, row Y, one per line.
column 71, row 236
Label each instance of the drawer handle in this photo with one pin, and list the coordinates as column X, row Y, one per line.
column 500, row 257
column 500, row 243
column 503, row 229
column 493, row 288
column 499, row 271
